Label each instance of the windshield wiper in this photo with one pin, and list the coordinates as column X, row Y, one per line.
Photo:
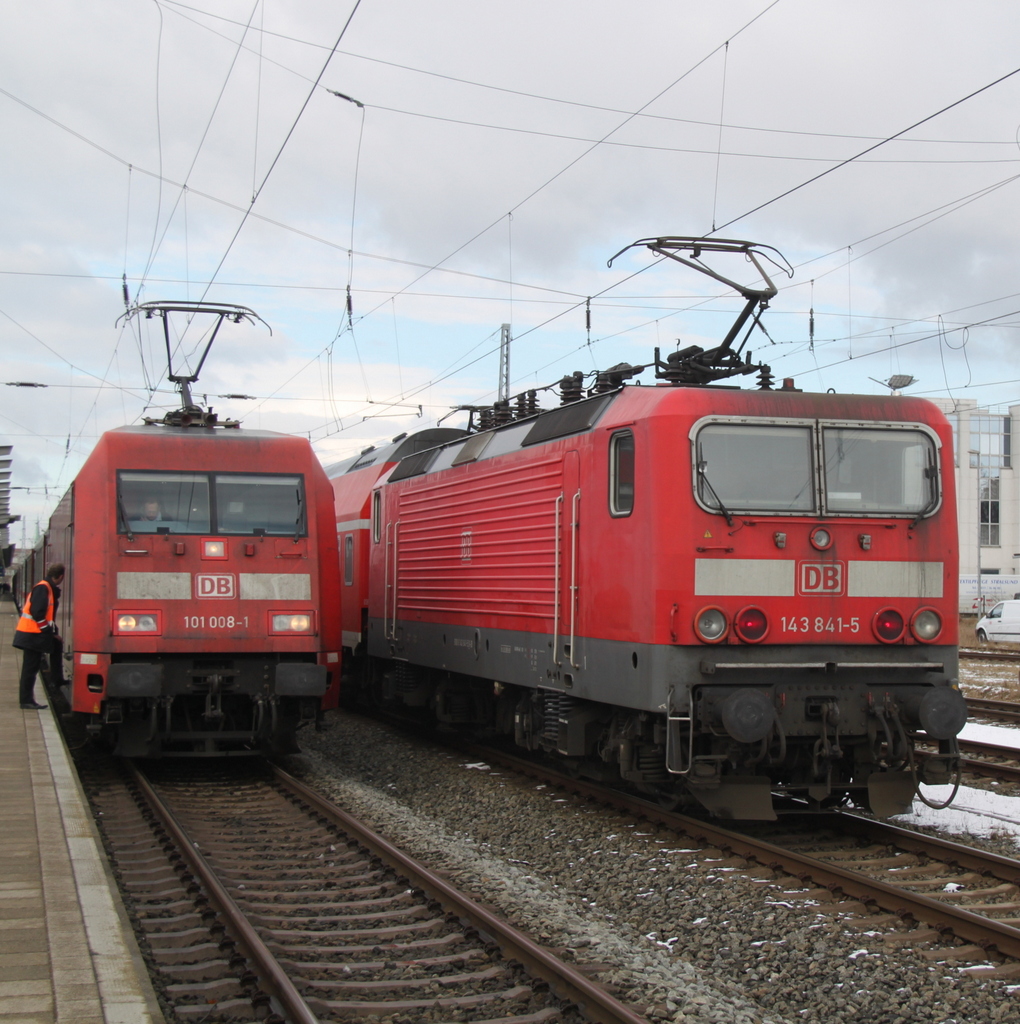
column 123, row 517
column 931, row 474
column 703, row 476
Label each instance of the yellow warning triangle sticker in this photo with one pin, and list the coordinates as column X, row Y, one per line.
column 708, row 534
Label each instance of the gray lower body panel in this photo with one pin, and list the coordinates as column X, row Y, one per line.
column 642, row 676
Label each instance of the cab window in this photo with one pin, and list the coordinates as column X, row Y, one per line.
column 162, row 502
column 755, row 467
column 873, row 471
column 349, row 560
column 259, row 503
column 376, row 516
column 621, row 473
column 264, row 504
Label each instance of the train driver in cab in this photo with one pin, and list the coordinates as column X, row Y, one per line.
column 151, row 516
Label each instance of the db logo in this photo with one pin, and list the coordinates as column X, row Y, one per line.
column 465, row 546
column 821, row 577
column 219, row 584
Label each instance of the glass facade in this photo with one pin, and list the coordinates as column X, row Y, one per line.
column 990, row 443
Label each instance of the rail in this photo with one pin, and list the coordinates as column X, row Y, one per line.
column 271, row 974
column 594, row 1002
column 940, row 914
column 242, row 845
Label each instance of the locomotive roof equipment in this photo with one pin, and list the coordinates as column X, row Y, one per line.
column 694, row 365
column 190, row 414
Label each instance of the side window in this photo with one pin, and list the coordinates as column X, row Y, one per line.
column 996, row 612
column 621, row 473
column 349, row 560
column 376, row 516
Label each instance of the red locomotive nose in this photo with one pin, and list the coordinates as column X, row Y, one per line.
column 751, row 624
column 888, row 625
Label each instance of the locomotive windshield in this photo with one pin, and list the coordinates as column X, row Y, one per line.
column 871, row 470
column 767, row 467
column 259, row 502
column 755, row 467
column 209, row 503
column 170, row 502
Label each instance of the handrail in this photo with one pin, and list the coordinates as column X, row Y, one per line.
column 671, row 758
column 556, row 583
column 386, row 580
column 396, row 551
column 575, row 527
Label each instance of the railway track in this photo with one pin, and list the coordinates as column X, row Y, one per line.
column 950, row 901
column 984, row 654
column 1005, row 710
column 258, row 899
column 993, row 760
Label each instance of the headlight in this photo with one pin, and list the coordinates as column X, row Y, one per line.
column 128, row 623
column 926, row 625
column 820, row 538
column 214, row 549
column 292, row 623
column 711, row 625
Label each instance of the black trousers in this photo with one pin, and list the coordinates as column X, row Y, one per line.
column 30, row 663
column 55, row 658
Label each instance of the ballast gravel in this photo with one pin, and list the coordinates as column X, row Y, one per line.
column 683, row 939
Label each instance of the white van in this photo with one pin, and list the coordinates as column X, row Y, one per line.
column 1002, row 623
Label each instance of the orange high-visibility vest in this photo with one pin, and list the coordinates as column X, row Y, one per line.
column 26, row 624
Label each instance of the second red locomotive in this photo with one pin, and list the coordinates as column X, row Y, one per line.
column 738, row 599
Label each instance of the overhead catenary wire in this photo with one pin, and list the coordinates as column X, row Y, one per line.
column 534, row 192
column 869, row 149
column 177, row 7
column 279, row 153
column 563, row 170
column 396, row 260
column 512, row 286
column 451, row 372
column 718, row 155
column 159, row 134
column 182, row 192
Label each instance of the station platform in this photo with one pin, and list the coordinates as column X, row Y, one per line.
column 67, row 950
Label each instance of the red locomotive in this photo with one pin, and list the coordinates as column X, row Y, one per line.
column 201, row 603
column 739, row 599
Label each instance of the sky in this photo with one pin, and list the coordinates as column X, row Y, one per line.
column 455, row 166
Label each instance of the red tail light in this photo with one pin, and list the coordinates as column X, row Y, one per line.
column 751, row 625
column 888, row 625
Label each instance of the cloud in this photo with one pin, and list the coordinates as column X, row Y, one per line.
column 469, row 191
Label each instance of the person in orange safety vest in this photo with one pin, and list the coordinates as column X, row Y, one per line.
column 36, row 633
